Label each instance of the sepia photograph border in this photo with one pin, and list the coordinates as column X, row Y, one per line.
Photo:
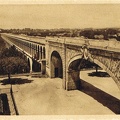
column 60, row 117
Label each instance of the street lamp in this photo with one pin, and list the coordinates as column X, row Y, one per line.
column 10, row 81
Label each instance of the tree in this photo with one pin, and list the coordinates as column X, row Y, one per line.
column 11, row 62
column 13, row 65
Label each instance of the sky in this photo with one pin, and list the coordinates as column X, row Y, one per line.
column 50, row 16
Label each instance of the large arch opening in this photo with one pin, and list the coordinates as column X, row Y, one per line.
column 56, row 65
column 74, row 75
column 81, row 64
column 95, row 81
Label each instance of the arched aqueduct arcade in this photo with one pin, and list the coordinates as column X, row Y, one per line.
column 64, row 58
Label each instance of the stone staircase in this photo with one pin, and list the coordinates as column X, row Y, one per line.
column 38, row 75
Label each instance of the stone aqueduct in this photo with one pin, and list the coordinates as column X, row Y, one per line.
column 62, row 57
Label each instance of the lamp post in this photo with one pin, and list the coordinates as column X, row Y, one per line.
column 10, row 82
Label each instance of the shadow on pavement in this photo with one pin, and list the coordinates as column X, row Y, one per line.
column 14, row 81
column 102, row 97
column 4, row 106
column 99, row 74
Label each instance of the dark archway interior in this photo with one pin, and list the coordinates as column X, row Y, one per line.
column 29, row 64
column 80, row 64
column 36, row 67
column 74, row 71
column 75, row 65
column 57, row 67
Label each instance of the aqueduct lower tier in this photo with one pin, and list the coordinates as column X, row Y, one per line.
column 59, row 57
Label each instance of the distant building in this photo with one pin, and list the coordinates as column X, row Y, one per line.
column 114, row 36
column 99, row 36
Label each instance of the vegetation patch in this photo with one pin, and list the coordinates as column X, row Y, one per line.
column 13, row 62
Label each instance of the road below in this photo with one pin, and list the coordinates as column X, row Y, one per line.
column 45, row 96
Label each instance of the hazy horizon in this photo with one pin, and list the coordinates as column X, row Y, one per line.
column 67, row 16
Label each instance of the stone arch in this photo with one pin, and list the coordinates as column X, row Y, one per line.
column 36, row 48
column 40, row 52
column 44, row 52
column 30, row 48
column 74, row 67
column 107, row 70
column 73, row 74
column 79, row 56
column 35, row 54
column 29, row 64
column 56, row 65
